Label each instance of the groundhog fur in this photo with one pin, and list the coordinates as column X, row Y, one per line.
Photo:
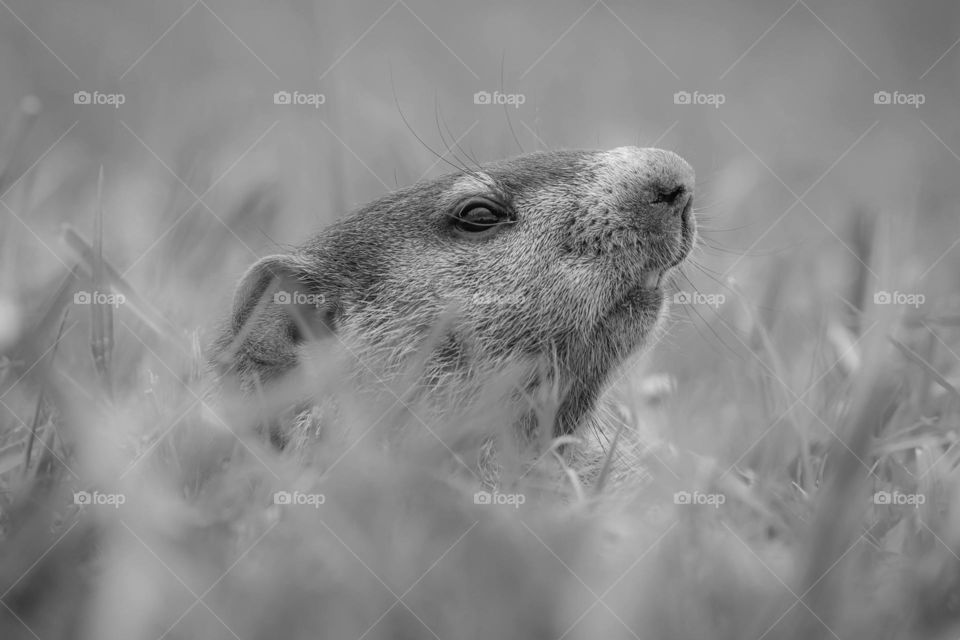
column 551, row 264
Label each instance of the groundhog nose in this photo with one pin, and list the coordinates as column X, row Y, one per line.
column 678, row 198
column 663, row 176
column 671, row 182
column 671, row 194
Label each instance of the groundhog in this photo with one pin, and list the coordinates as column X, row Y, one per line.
column 555, row 258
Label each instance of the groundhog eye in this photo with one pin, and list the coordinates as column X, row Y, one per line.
column 479, row 217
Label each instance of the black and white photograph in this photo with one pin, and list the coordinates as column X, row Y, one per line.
column 440, row 320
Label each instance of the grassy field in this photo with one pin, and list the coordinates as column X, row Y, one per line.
column 787, row 465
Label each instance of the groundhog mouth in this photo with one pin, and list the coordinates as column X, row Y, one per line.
column 651, row 279
column 652, row 276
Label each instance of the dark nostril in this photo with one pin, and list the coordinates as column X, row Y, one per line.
column 670, row 196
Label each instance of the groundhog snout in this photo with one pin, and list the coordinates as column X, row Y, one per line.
column 655, row 177
column 652, row 189
column 676, row 198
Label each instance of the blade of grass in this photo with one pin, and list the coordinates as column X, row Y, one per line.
column 914, row 357
column 16, row 131
column 133, row 300
column 101, row 310
column 761, row 340
column 40, row 396
column 11, row 456
column 608, row 460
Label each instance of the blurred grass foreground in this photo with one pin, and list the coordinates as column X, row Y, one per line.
column 782, row 465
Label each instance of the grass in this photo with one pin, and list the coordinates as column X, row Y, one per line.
column 182, row 536
column 784, row 465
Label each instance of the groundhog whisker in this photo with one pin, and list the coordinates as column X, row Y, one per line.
column 506, row 110
column 423, row 143
column 708, row 228
column 713, row 274
column 451, row 151
column 688, row 310
column 455, row 139
column 693, row 309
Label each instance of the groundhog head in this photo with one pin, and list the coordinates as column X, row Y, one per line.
column 555, row 257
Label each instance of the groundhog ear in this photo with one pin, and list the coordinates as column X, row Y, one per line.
column 276, row 296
